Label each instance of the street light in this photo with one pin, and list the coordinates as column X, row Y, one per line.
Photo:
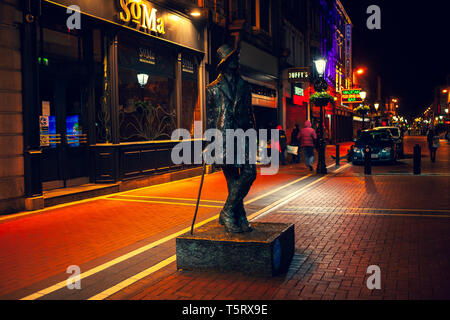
column 321, row 85
column 321, row 65
column 358, row 72
column 377, row 106
column 363, row 95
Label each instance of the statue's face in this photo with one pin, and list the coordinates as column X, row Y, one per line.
column 234, row 63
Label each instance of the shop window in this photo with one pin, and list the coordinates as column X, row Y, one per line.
column 61, row 45
column 146, row 91
column 190, row 108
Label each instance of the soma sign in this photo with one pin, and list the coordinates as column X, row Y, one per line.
column 142, row 15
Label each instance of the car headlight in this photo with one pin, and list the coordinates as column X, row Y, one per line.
column 357, row 150
column 388, row 149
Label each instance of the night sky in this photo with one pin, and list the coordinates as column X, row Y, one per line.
column 411, row 52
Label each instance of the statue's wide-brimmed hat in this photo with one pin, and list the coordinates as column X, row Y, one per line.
column 224, row 53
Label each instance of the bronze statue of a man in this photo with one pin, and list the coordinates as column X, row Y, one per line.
column 229, row 106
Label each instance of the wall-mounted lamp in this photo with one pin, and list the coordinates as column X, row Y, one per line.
column 142, row 79
column 196, row 13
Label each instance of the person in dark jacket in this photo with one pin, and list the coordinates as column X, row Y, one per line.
column 433, row 142
column 282, row 146
column 295, row 142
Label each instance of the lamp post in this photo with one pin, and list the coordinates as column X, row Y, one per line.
column 377, row 106
column 363, row 95
column 321, row 85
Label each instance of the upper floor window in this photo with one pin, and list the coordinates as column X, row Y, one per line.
column 261, row 15
column 238, row 9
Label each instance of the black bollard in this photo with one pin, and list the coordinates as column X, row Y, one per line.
column 417, row 159
column 338, row 156
column 368, row 161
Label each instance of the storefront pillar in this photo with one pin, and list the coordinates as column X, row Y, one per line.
column 178, row 88
column 30, row 90
column 114, row 90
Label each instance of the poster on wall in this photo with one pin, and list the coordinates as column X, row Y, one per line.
column 44, row 133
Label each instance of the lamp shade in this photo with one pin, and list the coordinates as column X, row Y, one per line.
column 142, row 79
column 363, row 95
column 321, row 64
column 377, row 105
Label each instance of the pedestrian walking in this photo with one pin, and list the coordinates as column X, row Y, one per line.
column 295, row 142
column 282, row 145
column 433, row 142
column 307, row 141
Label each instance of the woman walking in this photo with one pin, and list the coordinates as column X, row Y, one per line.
column 433, row 142
column 307, row 137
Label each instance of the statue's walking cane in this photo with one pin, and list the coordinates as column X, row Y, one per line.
column 199, row 194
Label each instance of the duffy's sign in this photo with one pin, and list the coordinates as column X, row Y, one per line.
column 142, row 15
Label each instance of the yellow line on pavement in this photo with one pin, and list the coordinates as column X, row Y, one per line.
column 170, row 198
column 376, row 209
column 164, row 202
column 131, row 254
column 370, row 214
column 105, row 294
column 115, row 261
column 63, row 205
column 121, row 285
column 288, row 198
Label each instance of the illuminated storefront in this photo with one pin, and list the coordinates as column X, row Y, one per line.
column 112, row 91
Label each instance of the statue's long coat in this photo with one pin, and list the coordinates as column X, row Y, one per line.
column 230, row 110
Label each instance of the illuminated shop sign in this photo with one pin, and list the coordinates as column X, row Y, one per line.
column 298, row 95
column 146, row 56
column 187, row 65
column 142, row 15
column 299, row 75
column 299, row 91
column 352, row 96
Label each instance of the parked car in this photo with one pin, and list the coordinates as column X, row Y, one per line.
column 398, row 137
column 382, row 144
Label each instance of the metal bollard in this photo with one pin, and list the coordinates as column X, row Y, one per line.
column 368, row 161
column 338, row 156
column 417, row 159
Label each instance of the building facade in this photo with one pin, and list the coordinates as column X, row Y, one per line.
column 91, row 91
column 96, row 92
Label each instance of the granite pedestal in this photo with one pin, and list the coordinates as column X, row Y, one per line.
column 266, row 251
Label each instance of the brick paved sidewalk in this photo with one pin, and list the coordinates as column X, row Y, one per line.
column 334, row 247
column 37, row 248
column 343, row 226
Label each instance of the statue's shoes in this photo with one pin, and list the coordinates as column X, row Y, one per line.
column 244, row 223
column 229, row 223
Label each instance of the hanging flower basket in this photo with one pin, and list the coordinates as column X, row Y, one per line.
column 362, row 109
column 321, row 99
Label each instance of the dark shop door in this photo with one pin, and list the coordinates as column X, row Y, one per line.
column 63, row 128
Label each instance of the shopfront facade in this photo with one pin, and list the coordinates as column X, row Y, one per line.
column 109, row 93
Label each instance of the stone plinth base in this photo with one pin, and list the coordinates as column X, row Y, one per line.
column 266, row 251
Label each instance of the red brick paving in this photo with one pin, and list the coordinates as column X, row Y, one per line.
column 36, row 247
column 333, row 249
column 335, row 245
